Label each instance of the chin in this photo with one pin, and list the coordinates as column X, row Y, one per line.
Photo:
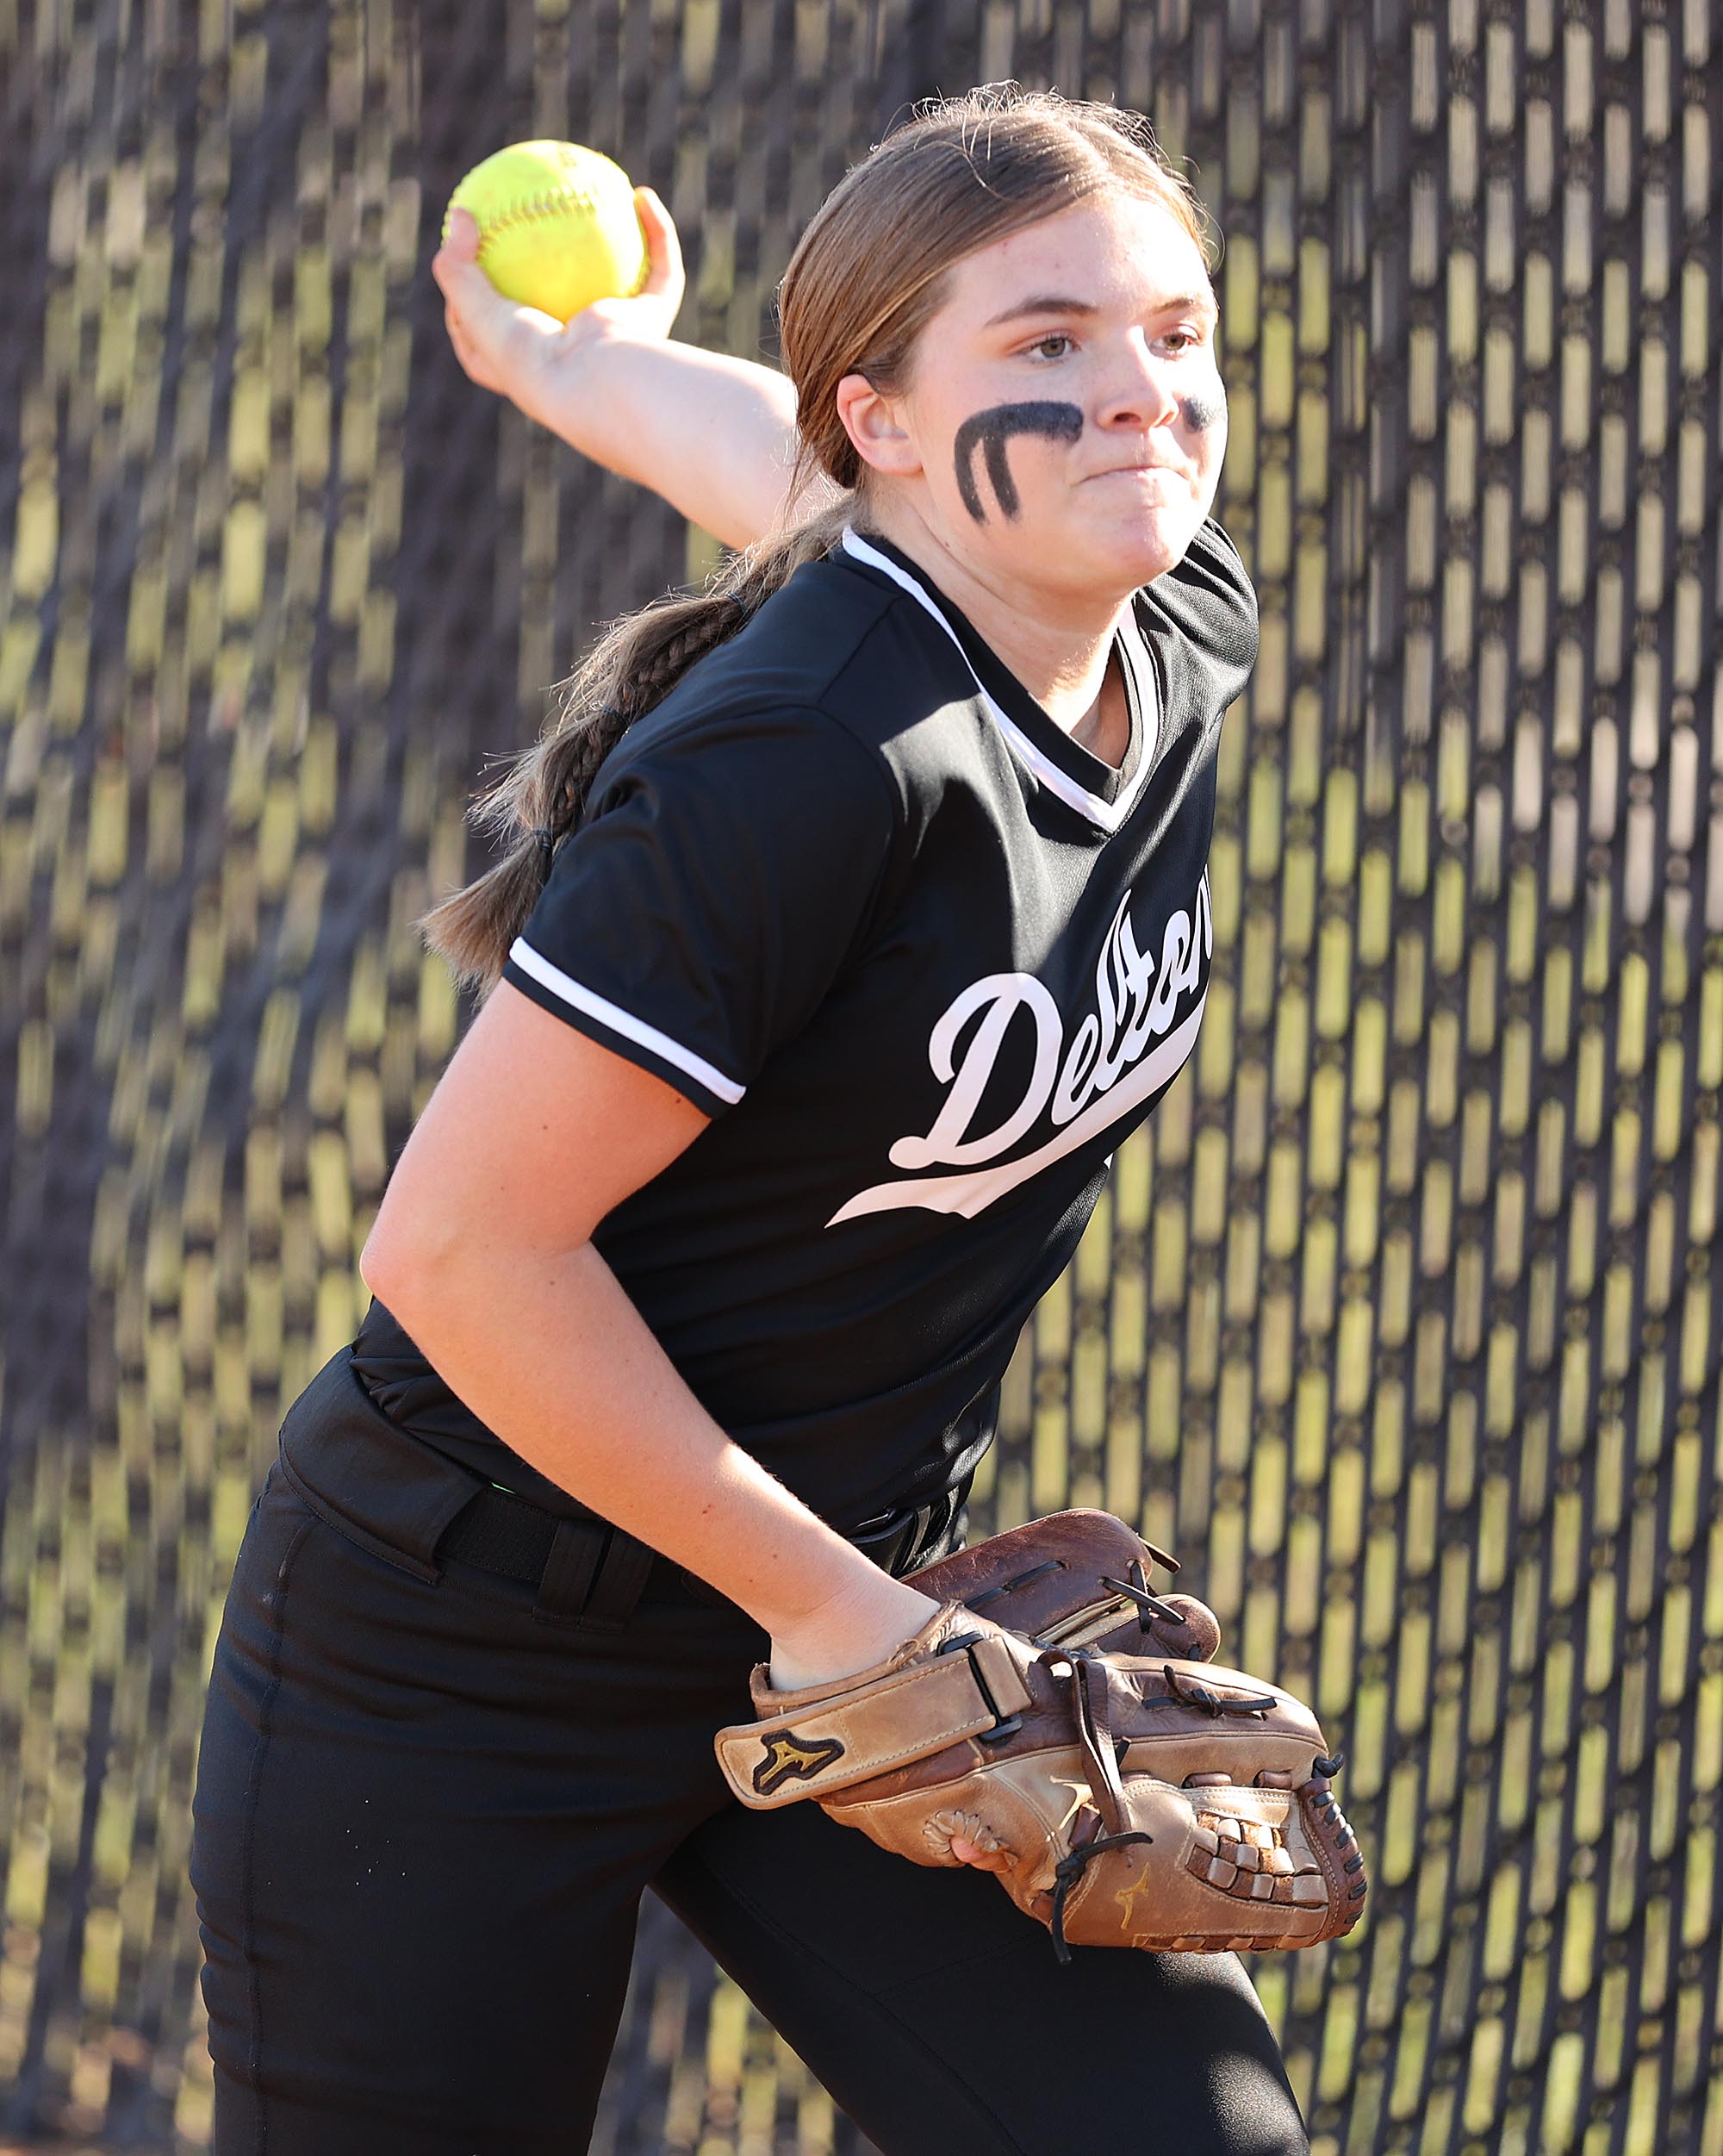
column 1139, row 551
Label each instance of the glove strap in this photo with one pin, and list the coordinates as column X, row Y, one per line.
column 970, row 1688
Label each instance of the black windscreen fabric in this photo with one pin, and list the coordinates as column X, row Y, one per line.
column 1399, row 1322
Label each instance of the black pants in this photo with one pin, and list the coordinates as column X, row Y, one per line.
column 425, row 1817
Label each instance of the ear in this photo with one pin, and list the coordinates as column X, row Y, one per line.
column 874, row 424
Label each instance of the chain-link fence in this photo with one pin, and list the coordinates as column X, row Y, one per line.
column 1400, row 1319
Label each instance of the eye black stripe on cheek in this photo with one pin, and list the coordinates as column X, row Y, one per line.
column 1201, row 411
column 991, row 431
column 999, row 471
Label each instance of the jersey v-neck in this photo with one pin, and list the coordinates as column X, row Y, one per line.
column 1103, row 793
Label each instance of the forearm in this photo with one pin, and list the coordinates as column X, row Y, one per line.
column 714, row 435
column 553, row 1357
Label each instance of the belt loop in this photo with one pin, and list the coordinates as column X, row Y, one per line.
column 576, row 1553
column 944, row 1511
column 593, row 1577
column 887, row 1545
column 621, row 1575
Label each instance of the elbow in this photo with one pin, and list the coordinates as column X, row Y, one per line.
column 375, row 1261
column 406, row 1263
column 380, row 1268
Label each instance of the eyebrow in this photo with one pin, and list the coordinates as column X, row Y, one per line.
column 1062, row 304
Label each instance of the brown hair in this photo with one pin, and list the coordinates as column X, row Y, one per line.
column 865, row 277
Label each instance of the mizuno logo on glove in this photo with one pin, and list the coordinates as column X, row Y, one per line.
column 787, row 1759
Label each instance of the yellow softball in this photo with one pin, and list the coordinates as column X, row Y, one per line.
column 557, row 227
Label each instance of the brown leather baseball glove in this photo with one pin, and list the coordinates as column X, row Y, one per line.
column 1061, row 1717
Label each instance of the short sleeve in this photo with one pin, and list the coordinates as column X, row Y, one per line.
column 1203, row 610
column 1211, row 598
column 723, row 871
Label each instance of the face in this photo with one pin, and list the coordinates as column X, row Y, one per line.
column 1063, row 422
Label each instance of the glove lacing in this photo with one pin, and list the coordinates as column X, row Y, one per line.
column 1100, row 1762
column 1069, row 1870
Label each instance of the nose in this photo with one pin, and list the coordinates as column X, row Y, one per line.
column 1139, row 393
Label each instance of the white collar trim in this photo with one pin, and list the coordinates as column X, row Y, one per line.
column 1108, row 814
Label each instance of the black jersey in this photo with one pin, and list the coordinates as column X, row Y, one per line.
column 923, row 958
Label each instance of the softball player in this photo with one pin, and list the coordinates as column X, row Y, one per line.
column 858, row 910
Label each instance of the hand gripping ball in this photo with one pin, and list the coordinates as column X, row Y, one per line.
column 557, row 227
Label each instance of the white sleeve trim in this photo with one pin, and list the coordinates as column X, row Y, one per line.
column 619, row 1021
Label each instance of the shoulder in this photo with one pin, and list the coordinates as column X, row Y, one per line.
column 750, row 757
column 802, row 648
column 1201, row 617
column 1209, row 596
column 806, row 695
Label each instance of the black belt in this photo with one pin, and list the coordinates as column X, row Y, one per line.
column 591, row 1567
column 403, row 1501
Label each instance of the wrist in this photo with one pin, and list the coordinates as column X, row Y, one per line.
column 579, row 391
column 860, row 1623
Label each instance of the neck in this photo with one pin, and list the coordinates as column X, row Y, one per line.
column 1057, row 643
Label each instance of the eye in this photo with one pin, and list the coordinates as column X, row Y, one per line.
column 1058, row 337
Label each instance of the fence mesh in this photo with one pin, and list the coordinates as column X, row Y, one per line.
column 1399, row 1322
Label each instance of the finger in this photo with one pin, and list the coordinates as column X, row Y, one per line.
column 457, row 337
column 966, row 1853
column 664, row 248
column 472, row 366
column 456, row 264
column 479, row 310
column 462, row 242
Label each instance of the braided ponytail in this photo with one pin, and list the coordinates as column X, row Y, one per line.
column 538, row 798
